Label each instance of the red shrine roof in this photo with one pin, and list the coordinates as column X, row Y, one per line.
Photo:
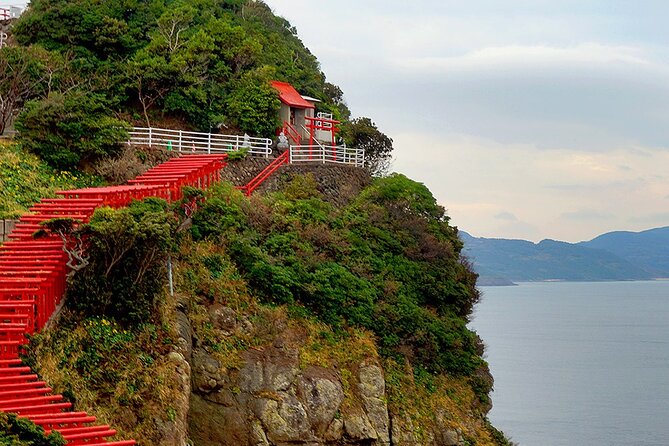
column 290, row 96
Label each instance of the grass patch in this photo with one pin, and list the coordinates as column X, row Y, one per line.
column 25, row 179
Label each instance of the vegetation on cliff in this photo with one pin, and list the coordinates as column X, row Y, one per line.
column 381, row 277
column 378, row 278
column 25, row 179
column 388, row 263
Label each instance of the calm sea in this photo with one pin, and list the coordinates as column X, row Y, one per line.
column 579, row 363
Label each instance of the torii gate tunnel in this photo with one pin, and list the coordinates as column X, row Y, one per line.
column 33, row 276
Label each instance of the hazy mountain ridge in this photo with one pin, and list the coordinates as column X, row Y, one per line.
column 619, row 255
column 647, row 249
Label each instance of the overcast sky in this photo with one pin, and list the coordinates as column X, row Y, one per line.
column 526, row 118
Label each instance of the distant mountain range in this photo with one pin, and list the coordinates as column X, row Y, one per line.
column 619, row 255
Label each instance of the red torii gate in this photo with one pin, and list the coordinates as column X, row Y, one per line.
column 324, row 124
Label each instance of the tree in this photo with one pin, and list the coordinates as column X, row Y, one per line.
column 74, row 241
column 335, row 97
column 362, row 133
column 23, row 76
column 253, row 105
column 152, row 77
column 127, row 253
column 69, row 130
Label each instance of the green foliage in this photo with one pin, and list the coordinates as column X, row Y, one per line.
column 238, row 154
column 389, row 263
column 16, row 431
column 93, row 30
column 127, row 255
column 119, row 374
column 103, row 343
column 253, row 105
column 68, row 130
column 221, row 212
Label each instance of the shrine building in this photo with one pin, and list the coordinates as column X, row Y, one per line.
column 299, row 122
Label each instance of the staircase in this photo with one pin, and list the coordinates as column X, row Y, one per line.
column 265, row 173
column 32, row 284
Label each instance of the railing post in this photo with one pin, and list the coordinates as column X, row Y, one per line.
column 180, row 139
column 290, row 155
column 150, row 137
column 236, row 142
column 209, row 143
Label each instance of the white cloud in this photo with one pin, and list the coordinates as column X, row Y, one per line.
column 563, row 194
column 586, row 214
column 529, row 57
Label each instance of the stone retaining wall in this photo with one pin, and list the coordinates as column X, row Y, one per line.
column 240, row 172
column 339, row 184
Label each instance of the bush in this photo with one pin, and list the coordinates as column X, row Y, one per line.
column 70, row 130
column 389, row 263
column 127, row 259
column 219, row 213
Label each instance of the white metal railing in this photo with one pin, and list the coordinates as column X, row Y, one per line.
column 183, row 141
column 327, row 154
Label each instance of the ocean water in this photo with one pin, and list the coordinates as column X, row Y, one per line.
column 578, row 363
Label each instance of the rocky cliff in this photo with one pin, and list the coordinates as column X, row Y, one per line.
column 272, row 397
column 264, row 376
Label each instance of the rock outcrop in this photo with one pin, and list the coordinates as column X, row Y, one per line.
column 271, row 400
column 174, row 430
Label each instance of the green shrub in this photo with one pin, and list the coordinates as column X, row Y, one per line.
column 238, row 154
column 389, row 263
column 221, row 212
column 69, row 130
column 127, row 256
